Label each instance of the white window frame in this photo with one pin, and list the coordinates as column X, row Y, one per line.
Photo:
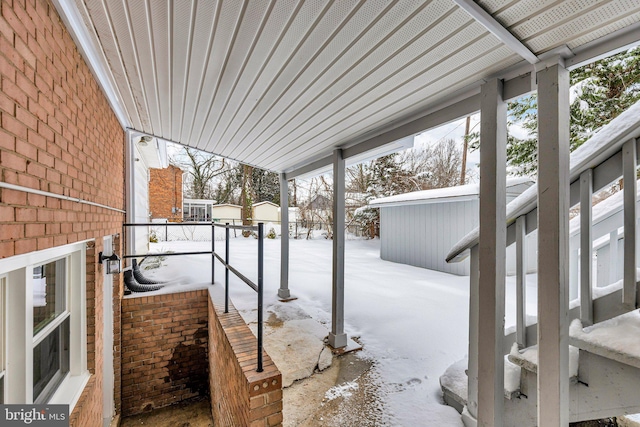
column 18, row 271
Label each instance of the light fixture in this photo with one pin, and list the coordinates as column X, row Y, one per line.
column 144, row 140
column 113, row 263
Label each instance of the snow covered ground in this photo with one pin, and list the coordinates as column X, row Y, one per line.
column 412, row 322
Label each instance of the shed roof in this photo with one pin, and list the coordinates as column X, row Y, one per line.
column 515, row 186
column 266, row 202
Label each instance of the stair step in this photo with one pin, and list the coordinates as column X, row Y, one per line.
column 615, row 338
column 528, row 359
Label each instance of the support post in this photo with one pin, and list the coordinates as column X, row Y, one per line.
column 553, row 245
column 472, row 367
column 283, row 291
column 337, row 337
column 521, row 281
column 629, row 166
column 586, row 247
column 492, row 253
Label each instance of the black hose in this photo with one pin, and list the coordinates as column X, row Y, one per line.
column 130, row 282
column 140, row 278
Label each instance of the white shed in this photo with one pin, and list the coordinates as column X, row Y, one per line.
column 226, row 213
column 265, row 212
column 419, row 228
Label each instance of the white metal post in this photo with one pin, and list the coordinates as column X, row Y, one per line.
column 337, row 337
column 492, row 253
column 472, row 367
column 586, row 245
column 283, row 292
column 629, row 176
column 553, row 245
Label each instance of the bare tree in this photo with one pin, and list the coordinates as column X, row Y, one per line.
column 202, row 168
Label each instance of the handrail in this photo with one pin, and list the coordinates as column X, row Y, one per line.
column 602, row 149
column 259, row 287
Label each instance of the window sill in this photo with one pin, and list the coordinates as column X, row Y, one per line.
column 70, row 390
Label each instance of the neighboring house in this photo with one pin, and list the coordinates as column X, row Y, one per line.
column 419, row 228
column 165, row 193
column 226, row 213
column 265, row 212
column 198, row 209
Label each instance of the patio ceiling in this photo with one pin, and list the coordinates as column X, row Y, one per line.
column 280, row 84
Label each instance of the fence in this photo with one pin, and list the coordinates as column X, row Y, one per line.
column 193, row 231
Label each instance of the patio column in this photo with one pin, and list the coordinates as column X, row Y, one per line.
column 472, row 364
column 283, row 292
column 553, row 244
column 492, row 253
column 337, row 337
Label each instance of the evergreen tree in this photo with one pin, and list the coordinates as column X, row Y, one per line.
column 600, row 92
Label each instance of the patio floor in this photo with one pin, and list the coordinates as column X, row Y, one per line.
column 191, row 413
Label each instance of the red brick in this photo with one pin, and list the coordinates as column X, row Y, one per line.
column 13, row 126
column 12, row 161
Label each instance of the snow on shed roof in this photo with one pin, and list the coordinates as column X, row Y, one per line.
column 594, row 151
column 449, row 194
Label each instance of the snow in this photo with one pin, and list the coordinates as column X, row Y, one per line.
column 441, row 194
column 342, row 390
column 528, row 358
column 597, row 148
column 412, row 322
column 612, row 334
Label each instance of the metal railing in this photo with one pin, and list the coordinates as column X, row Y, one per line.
column 259, row 287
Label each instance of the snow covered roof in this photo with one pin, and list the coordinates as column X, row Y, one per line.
column 598, row 148
column 450, row 194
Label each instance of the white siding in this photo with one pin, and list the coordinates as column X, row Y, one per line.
column 141, row 200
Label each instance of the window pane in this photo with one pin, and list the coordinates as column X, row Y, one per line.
column 50, row 362
column 48, row 293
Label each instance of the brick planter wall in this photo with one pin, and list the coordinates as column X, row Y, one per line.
column 240, row 396
column 164, row 350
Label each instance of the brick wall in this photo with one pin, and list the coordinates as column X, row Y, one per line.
column 164, row 350
column 165, row 192
column 58, row 135
column 240, row 396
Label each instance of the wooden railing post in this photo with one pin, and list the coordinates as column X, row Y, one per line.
column 521, row 281
column 586, row 267
column 629, row 177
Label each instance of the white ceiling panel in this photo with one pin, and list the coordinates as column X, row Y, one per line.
column 281, row 83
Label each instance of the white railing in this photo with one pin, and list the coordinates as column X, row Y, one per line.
column 608, row 156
